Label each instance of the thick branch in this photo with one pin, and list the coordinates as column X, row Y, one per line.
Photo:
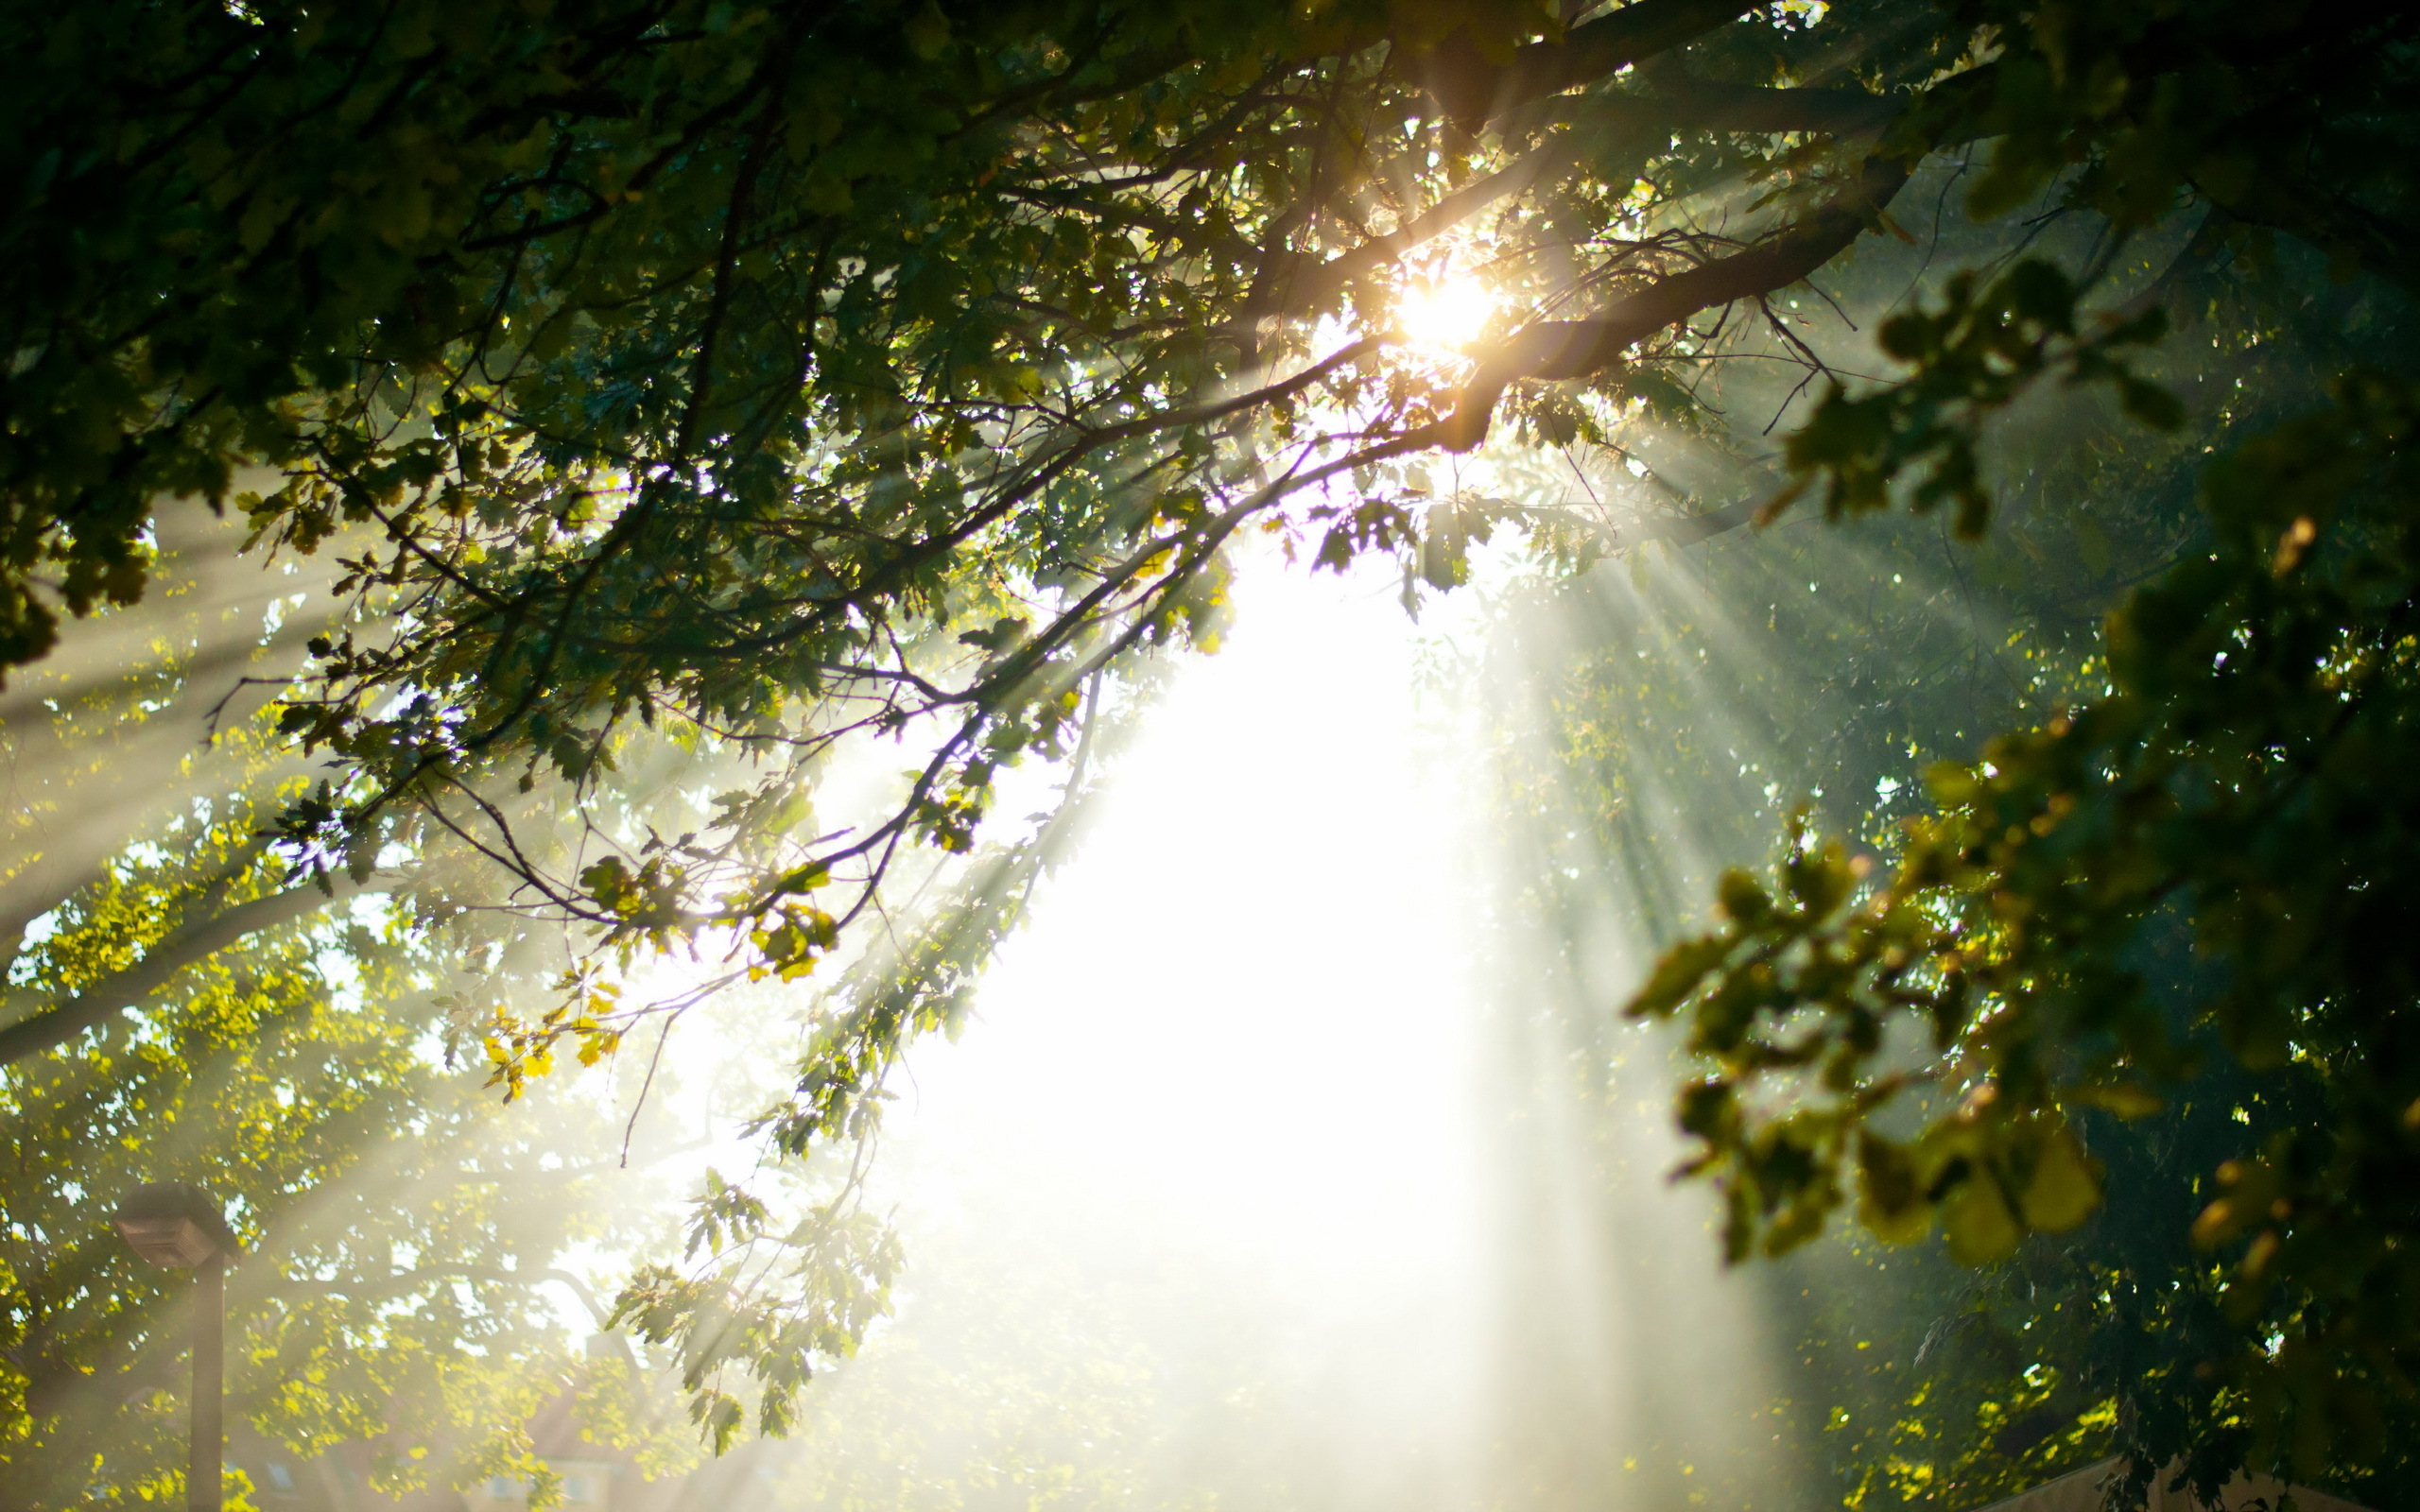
column 1572, row 349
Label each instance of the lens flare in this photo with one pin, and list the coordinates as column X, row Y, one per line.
column 1445, row 314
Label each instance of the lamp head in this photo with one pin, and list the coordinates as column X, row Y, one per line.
column 175, row 1224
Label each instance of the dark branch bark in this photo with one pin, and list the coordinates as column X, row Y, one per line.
column 1573, row 348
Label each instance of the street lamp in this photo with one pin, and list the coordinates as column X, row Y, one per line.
column 176, row 1225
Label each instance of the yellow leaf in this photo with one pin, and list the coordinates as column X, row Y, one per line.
column 2064, row 1188
column 1975, row 1219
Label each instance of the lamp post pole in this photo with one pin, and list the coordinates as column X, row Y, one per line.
column 175, row 1224
column 202, row 1488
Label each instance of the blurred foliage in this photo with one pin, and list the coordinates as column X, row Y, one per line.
column 2229, row 803
column 1021, row 1387
column 2136, row 977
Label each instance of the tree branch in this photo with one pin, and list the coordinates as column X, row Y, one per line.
column 1573, row 348
column 182, row 947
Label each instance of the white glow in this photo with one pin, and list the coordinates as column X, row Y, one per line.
column 1447, row 313
column 1226, row 1076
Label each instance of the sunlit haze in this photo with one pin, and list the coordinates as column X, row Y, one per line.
column 1235, row 1188
column 1224, row 1084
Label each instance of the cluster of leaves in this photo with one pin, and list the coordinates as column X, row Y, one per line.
column 2280, row 117
column 218, row 214
column 2081, row 1347
column 2160, row 901
column 835, row 1266
column 395, row 1220
column 700, row 366
column 2244, row 783
column 2095, row 1336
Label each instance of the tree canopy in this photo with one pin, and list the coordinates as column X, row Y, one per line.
column 704, row 401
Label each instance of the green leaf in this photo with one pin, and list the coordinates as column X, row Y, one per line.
column 928, row 31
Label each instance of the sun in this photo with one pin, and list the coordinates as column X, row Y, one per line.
column 1444, row 314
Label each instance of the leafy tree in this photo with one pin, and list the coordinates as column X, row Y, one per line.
column 2039, row 929
column 723, row 389
column 2143, row 948
column 284, row 1052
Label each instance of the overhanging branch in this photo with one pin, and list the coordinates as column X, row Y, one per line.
column 1573, row 349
